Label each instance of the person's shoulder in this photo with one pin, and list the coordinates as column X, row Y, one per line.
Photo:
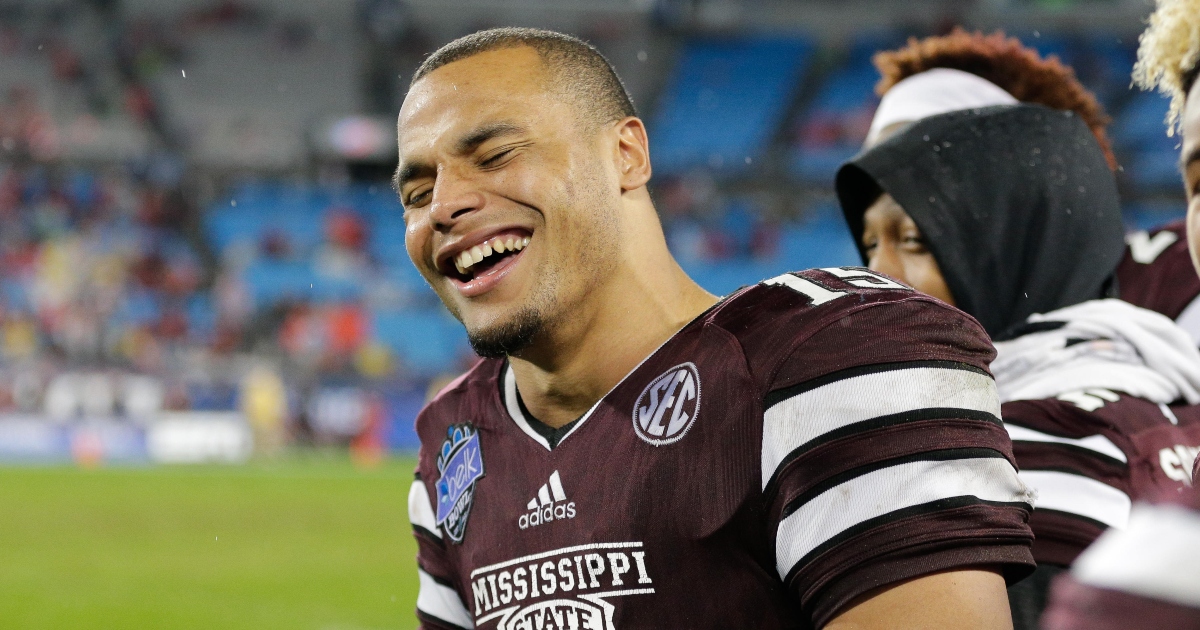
column 1156, row 271
column 1092, row 411
column 468, row 392
column 841, row 317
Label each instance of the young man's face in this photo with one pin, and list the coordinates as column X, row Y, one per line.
column 1191, row 169
column 894, row 246
column 491, row 160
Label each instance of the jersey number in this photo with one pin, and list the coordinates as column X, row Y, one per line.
column 820, row 295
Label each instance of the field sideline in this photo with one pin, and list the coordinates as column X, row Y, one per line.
column 303, row 543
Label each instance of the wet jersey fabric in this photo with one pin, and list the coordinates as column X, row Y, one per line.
column 1157, row 273
column 806, row 440
column 1140, row 578
column 1090, row 455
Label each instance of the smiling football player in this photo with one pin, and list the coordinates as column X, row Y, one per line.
column 822, row 449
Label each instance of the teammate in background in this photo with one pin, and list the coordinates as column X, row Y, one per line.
column 965, row 70
column 821, row 450
column 1008, row 213
column 1146, row 577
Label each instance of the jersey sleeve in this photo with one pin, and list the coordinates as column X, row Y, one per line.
column 439, row 606
column 884, row 457
column 1081, row 477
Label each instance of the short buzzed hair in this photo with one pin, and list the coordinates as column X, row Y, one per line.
column 579, row 70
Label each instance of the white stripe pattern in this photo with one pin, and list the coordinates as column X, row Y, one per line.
column 420, row 509
column 887, row 490
column 1077, row 494
column 1095, row 443
column 1157, row 556
column 809, row 415
column 442, row 602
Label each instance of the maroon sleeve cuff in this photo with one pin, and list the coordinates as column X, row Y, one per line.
column 1014, row 561
column 969, row 536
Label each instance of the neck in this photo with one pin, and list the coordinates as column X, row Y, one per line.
column 641, row 305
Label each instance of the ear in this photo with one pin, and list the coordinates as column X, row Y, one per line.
column 633, row 153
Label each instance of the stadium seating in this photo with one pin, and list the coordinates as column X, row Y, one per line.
column 724, row 101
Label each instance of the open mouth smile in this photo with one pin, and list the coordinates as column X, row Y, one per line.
column 476, row 269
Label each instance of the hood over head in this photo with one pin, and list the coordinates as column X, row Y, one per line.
column 1016, row 203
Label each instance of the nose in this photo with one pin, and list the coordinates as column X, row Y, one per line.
column 885, row 260
column 454, row 198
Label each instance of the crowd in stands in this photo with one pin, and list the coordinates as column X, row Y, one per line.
column 120, row 273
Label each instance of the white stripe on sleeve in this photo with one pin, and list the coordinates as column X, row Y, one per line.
column 1157, row 556
column 1077, row 494
column 1094, row 443
column 809, row 415
column 420, row 510
column 887, row 490
column 442, row 602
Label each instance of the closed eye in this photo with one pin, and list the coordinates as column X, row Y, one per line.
column 501, row 156
column 495, row 159
column 416, row 200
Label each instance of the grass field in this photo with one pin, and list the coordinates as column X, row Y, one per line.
column 304, row 543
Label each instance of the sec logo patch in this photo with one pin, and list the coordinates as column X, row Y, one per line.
column 668, row 406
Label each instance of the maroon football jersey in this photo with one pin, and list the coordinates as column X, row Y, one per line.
column 806, row 440
column 1157, row 273
column 1090, row 455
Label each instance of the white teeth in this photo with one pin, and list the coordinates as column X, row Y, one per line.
column 466, row 259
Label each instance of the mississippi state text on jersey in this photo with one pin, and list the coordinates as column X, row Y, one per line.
column 1090, row 455
column 1157, row 273
column 806, row 440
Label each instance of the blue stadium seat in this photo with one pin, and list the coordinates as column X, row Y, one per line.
column 725, row 100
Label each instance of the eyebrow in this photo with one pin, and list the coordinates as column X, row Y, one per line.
column 468, row 143
column 477, row 137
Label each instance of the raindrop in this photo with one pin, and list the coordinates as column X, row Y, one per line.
column 1037, row 34
column 926, row 138
column 233, row 202
column 184, row 73
column 641, row 55
column 748, row 160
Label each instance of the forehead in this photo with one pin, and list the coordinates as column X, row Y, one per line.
column 507, row 84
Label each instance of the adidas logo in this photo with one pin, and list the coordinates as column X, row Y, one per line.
column 550, row 504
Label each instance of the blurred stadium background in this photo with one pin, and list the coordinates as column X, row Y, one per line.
column 201, row 261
